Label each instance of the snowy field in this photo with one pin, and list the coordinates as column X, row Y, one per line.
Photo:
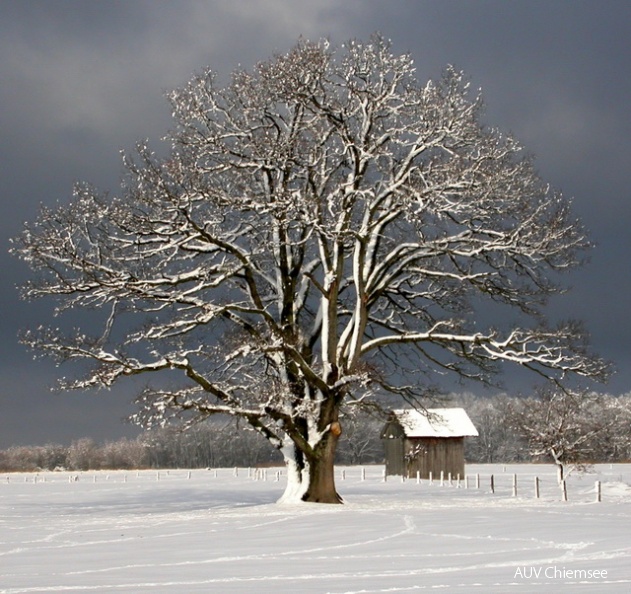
column 212, row 531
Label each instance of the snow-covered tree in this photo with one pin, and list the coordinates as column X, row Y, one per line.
column 83, row 454
column 497, row 440
column 321, row 232
column 562, row 425
column 361, row 441
column 614, row 442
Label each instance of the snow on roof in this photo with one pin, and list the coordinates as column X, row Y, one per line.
column 438, row 422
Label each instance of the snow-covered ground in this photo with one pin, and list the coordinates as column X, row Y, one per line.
column 208, row 531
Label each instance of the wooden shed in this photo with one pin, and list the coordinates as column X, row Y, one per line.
column 428, row 441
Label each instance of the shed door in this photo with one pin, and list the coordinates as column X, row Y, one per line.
column 395, row 459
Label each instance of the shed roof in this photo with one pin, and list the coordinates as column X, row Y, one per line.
column 438, row 422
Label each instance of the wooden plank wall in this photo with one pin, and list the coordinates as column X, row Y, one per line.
column 433, row 455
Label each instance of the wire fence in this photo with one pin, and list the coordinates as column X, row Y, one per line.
column 517, row 481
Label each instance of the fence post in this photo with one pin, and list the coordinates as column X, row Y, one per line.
column 536, row 487
column 418, row 477
column 514, row 485
column 363, row 474
column 385, row 476
column 458, row 480
column 492, row 484
column 598, row 492
column 442, row 478
column 431, row 478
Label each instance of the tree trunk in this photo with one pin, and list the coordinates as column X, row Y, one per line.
column 313, row 479
column 559, row 465
column 321, row 485
column 560, row 474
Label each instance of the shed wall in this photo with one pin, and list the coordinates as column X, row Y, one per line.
column 432, row 454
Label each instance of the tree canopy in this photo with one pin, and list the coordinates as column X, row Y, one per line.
column 322, row 232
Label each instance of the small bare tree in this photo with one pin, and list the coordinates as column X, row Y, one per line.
column 497, row 440
column 361, row 442
column 561, row 425
column 320, row 231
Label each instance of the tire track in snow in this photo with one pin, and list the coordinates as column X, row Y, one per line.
column 408, row 521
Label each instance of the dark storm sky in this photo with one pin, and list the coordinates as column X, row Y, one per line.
column 81, row 80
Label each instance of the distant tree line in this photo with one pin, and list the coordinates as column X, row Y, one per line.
column 214, row 444
column 600, row 425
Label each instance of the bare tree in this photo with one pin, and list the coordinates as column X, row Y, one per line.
column 83, row 454
column 614, row 441
column 497, row 440
column 561, row 425
column 318, row 234
column 361, row 441
column 123, row 454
